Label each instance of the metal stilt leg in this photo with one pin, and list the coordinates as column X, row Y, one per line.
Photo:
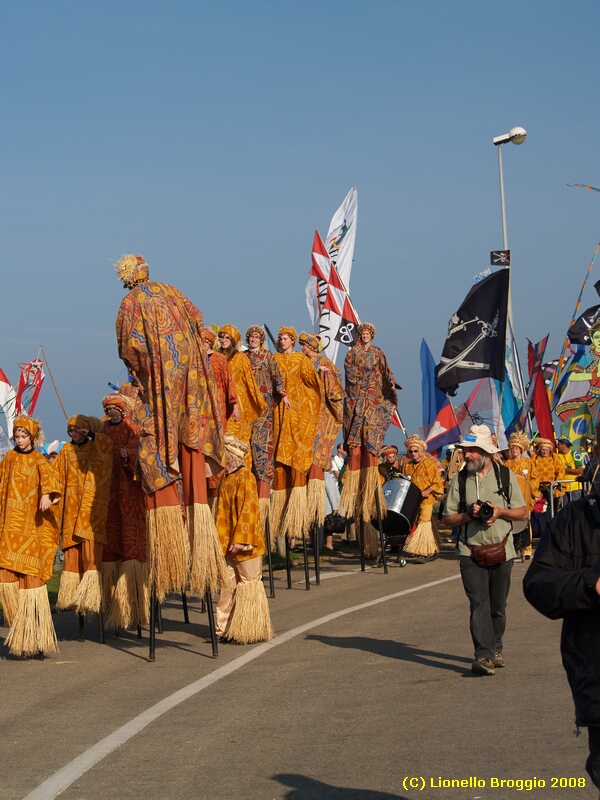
column 211, row 625
column 101, row 626
column 81, row 627
column 152, row 647
column 186, row 616
column 288, row 563
column 269, row 557
column 317, row 540
column 306, row 572
column 361, row 533
column 381, row 536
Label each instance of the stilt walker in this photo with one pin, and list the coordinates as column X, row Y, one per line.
column 84, row 467
column 180, row 435
column 368, row 410
column 28, row 541
column 295, row 428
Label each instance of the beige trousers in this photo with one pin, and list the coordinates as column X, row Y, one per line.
column 237, row 572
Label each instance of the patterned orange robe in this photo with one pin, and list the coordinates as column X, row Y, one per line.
column 126, row 522
column 250, row 400
column 157, row 335
column 85, row 473
column 331, row 414
column 28, row 537
column 423, row 475
column 225, row 387
column 238, row 519
column 548, row 469
column 295, row 428
column 525, row 467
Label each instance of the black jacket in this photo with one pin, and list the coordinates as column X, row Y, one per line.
column 561, row 582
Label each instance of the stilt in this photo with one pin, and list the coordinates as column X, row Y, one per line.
column 381, row 536
column 101, row 626
column 211, row 625
column 186, row 616
column 288, row 563
column 306, row 572
column 269, row 556
column 41, row 655
column 361, row 534
column 139, row 631
column 159, row 627
column 317, row 542
column 81, row 627
column 202, row 606
column 152, row 648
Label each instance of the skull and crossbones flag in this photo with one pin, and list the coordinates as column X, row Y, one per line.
column 476, row 343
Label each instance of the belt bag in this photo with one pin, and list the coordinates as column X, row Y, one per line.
column 486, row 555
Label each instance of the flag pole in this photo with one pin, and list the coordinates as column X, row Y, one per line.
column 53, row 384
column 561, row 360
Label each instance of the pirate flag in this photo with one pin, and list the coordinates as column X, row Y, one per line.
column 476, row 343
column 579, row 332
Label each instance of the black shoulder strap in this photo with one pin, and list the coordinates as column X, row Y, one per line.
column 503, row 480
column 462, row 490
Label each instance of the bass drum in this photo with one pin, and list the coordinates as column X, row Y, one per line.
column 403, row 499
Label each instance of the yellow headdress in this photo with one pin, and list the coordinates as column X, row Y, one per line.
column 131, row 270
column 313, row 340
column 31, row 426
column 286, row 330
column 366, row 326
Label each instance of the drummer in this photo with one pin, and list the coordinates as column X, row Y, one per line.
column 423, row 542
column 524, row 469
column 389, row 461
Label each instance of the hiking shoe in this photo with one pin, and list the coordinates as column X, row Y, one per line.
column 499, row 660
column 483, row 666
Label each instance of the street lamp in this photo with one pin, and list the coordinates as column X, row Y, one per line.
column 516, row 136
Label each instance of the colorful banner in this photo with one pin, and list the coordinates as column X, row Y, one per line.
column 30, row 384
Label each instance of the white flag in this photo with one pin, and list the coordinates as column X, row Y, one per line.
column 340, row 246
column 7, row 402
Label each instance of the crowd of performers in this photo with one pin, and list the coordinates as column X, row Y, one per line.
column 548, row 476
column 170, row 491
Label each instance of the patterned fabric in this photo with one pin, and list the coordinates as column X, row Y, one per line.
column 270, row 383
column 225, row 388
column 548, row 469
column 126, row 522
column 28, row 537
column 238, row 518
column 157, row 335
column 371, row 398
column 525, row 467
column 250, row 400
column 84, row 473
column 332, row 411
column 425, row 474
column 294, row 429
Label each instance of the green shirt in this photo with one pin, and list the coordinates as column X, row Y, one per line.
column 478, row 532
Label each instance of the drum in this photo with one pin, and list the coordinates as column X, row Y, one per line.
column 403, row 499
column 520, row 525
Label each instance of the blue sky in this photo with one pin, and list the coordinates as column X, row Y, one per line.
column 214, row 137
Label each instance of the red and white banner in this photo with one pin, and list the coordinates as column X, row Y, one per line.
column 30, row 384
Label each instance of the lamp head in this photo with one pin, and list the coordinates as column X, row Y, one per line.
column 517, row 135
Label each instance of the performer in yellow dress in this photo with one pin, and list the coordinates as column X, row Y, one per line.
column 295, row 427
column 524, row 467
column 243, row 610
column 423, row 472
column 28, row 541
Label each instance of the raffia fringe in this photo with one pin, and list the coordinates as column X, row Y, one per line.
column 349, row 495
column 32, row 630
column 131, row 599
column 250, row 620
column 277, row 507
column 109, row 571
column 168, row 550
column 280, row 545
column 421, row 542
column 69, row 581
column 209, row 570
column 315, row 502
column 88, row 596
column 295, row 521
column 369, row 484
column 9, row 598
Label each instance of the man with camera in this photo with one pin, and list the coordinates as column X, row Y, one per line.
column 484, row 499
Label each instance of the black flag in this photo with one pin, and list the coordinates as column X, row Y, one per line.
column 579, row 332
column 476, row 343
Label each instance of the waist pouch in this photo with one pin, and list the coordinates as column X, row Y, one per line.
column 486, row 555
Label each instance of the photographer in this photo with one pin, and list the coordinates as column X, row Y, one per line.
column 484, row 499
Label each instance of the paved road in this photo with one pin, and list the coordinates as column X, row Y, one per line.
column 366, row 694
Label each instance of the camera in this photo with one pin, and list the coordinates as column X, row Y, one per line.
column 486, row 510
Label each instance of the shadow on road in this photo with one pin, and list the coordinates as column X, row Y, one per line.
column 303, row 788
column 400, row 650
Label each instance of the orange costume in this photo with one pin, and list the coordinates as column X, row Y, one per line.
column 294, row 431
column 426, row 476
column 250, row 400
column 331, row 415
column 158, row 338
column 28, row 543
column 243, row 611
column 85, row 472
column 124, row 567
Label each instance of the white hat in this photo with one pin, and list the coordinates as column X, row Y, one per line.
column 479, row 436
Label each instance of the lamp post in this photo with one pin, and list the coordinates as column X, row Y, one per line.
column 516, row 136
